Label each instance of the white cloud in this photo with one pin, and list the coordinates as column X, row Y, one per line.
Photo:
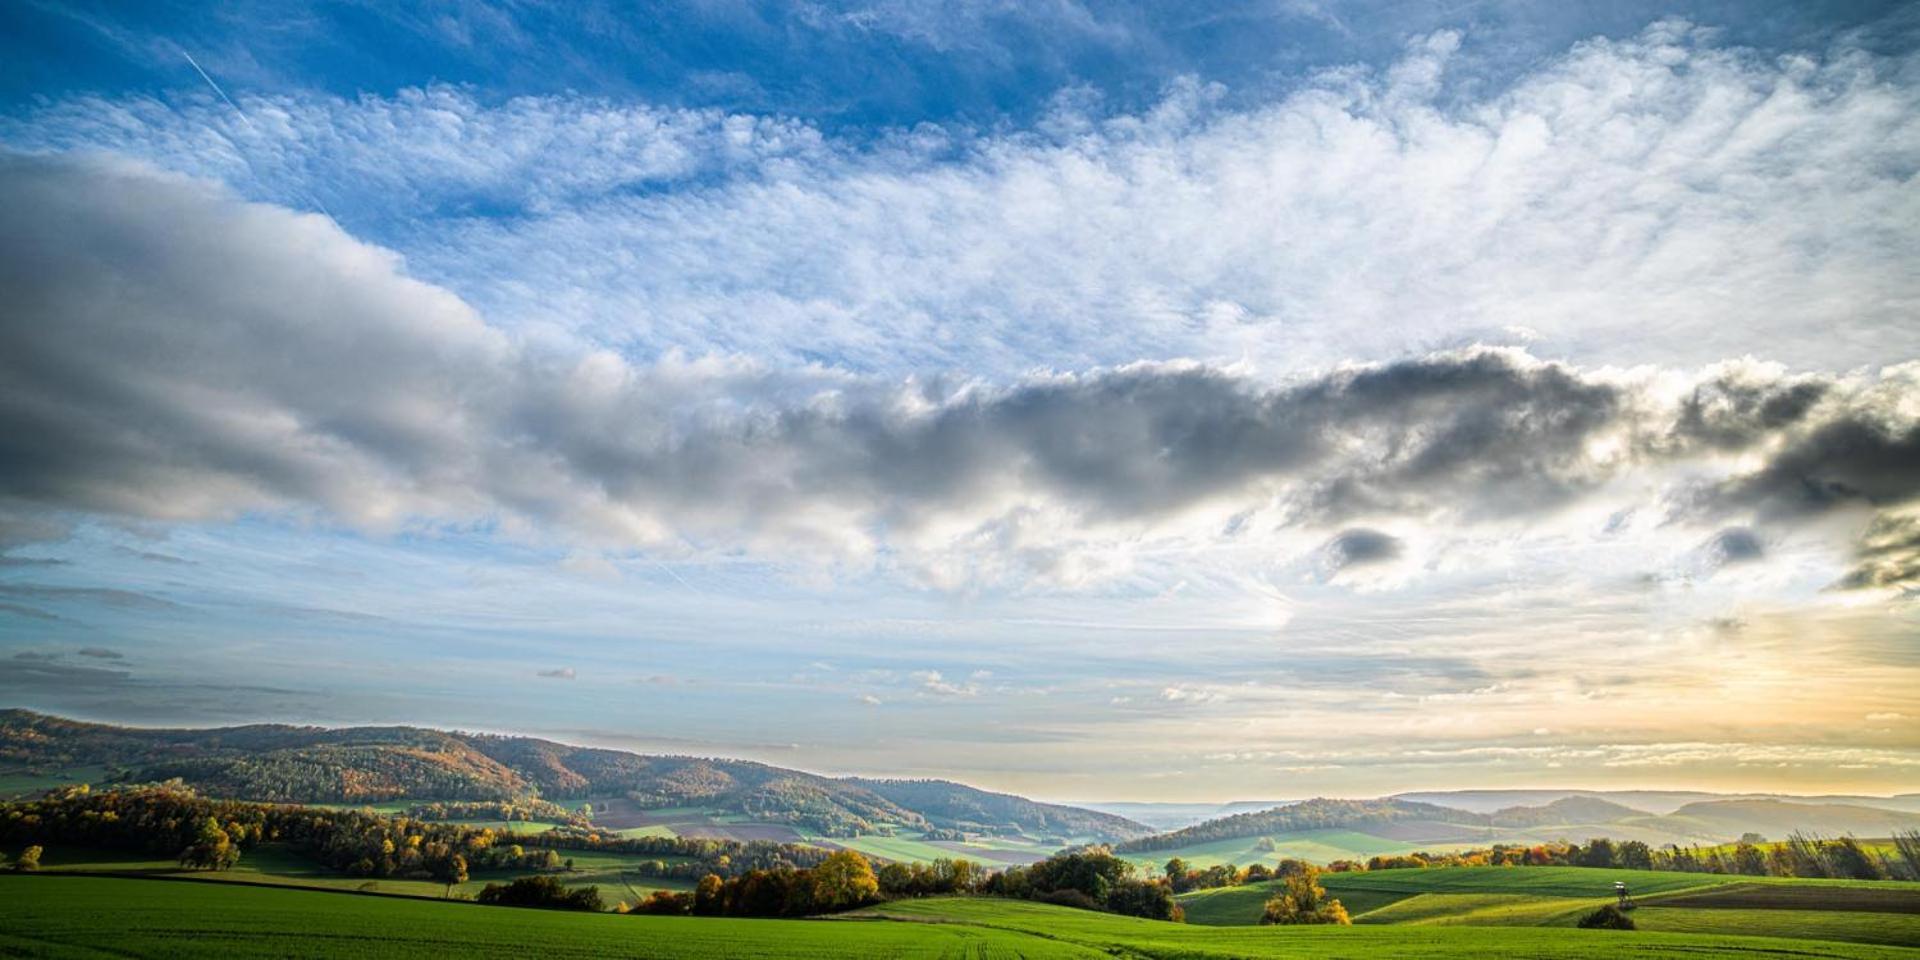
column 1655, row 197
column 933, row 683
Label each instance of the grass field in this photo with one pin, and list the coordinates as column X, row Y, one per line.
column 612, row 873
column 1859, row 911
column 910, row 846
column 50, row 916
column 19, row 783
column 1313, row 846
column 1859, row 927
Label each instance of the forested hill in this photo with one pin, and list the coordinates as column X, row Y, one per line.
column 1316, row 814
column 959, row 806
column 294, row 764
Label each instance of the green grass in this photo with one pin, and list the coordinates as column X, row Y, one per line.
column 16, row 783
column 1873, row 911
column 911, row 846
column 270, row 864
column 1485, row 910
column 1242, row 906
column 509, row 826
column 1313, row 846
column 60, row 917
column 1859, row 927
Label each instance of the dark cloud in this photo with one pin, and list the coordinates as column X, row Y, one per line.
column 36, row 656
column 21, row 610
column 104, row 596
column 1733, row 545
column 146, row 311
column 101, row 653
column 1733, row 412
column 1888, row 557
column 1861, row 457
column 1359, row 546
column 48, row 676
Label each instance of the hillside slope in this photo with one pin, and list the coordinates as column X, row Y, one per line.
column 1385, row 817
column 282, row 763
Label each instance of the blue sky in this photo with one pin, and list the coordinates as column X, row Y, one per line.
column 1096, row 401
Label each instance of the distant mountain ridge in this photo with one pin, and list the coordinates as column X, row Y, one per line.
column 297, row 764
column 1658, row 802
column 1320, row 813
column 1574, row 818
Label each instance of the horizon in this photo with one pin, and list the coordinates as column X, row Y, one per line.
column 1085, row 801
column 1339, row 398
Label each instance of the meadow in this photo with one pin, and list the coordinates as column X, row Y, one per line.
column 1884, row 912
column 271, row 864
column 56, row 916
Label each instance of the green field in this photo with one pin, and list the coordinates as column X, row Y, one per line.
column 909, row 846
column 1853, row 910
column 1313, row 846
column 20, row 783
column 270, row 864
column 51, row 916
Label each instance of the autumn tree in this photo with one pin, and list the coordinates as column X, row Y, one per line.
column 450, row 871
column 844, row 879
column 29, row 859
column 211, row 849
column 1303, row 900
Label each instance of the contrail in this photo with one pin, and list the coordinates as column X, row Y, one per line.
column 216, row 88
column 242, row 114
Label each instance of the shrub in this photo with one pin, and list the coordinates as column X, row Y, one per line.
column 1608, row 917
column 544, row 892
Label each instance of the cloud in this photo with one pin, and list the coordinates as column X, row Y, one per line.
column 1360, row 546
column 103, row 596
column 1733, row 545
column 101, row 653
column 933, row 683
column 1889, row 555
column 141, row 381
column 1747, row 201
column 561, row 673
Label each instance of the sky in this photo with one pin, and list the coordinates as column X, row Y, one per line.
column 1099, row 401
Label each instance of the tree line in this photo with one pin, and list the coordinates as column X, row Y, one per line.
column 174, row 821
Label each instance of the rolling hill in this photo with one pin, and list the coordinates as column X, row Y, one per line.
column 297, row 764
column 1322, row 830
column 59, row 917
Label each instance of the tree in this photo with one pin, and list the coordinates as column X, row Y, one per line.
column 1599, row 853
column 1850, row 860
column 211, row 849
column 29, row 859
column 708, row 896
column 844, row 879
column 1636, row 855
column 450, row 870
column 542, row 891
column 1141, row 898
column 1303, row 900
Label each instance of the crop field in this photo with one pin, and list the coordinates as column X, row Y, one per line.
column 1858, row 927
column 1889, row 898
column 1875, row 912
column 51, row 916
column 910, row 846
column 612, row 873
column 19, row 782
column 1314, row 846
column 1240, row 906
